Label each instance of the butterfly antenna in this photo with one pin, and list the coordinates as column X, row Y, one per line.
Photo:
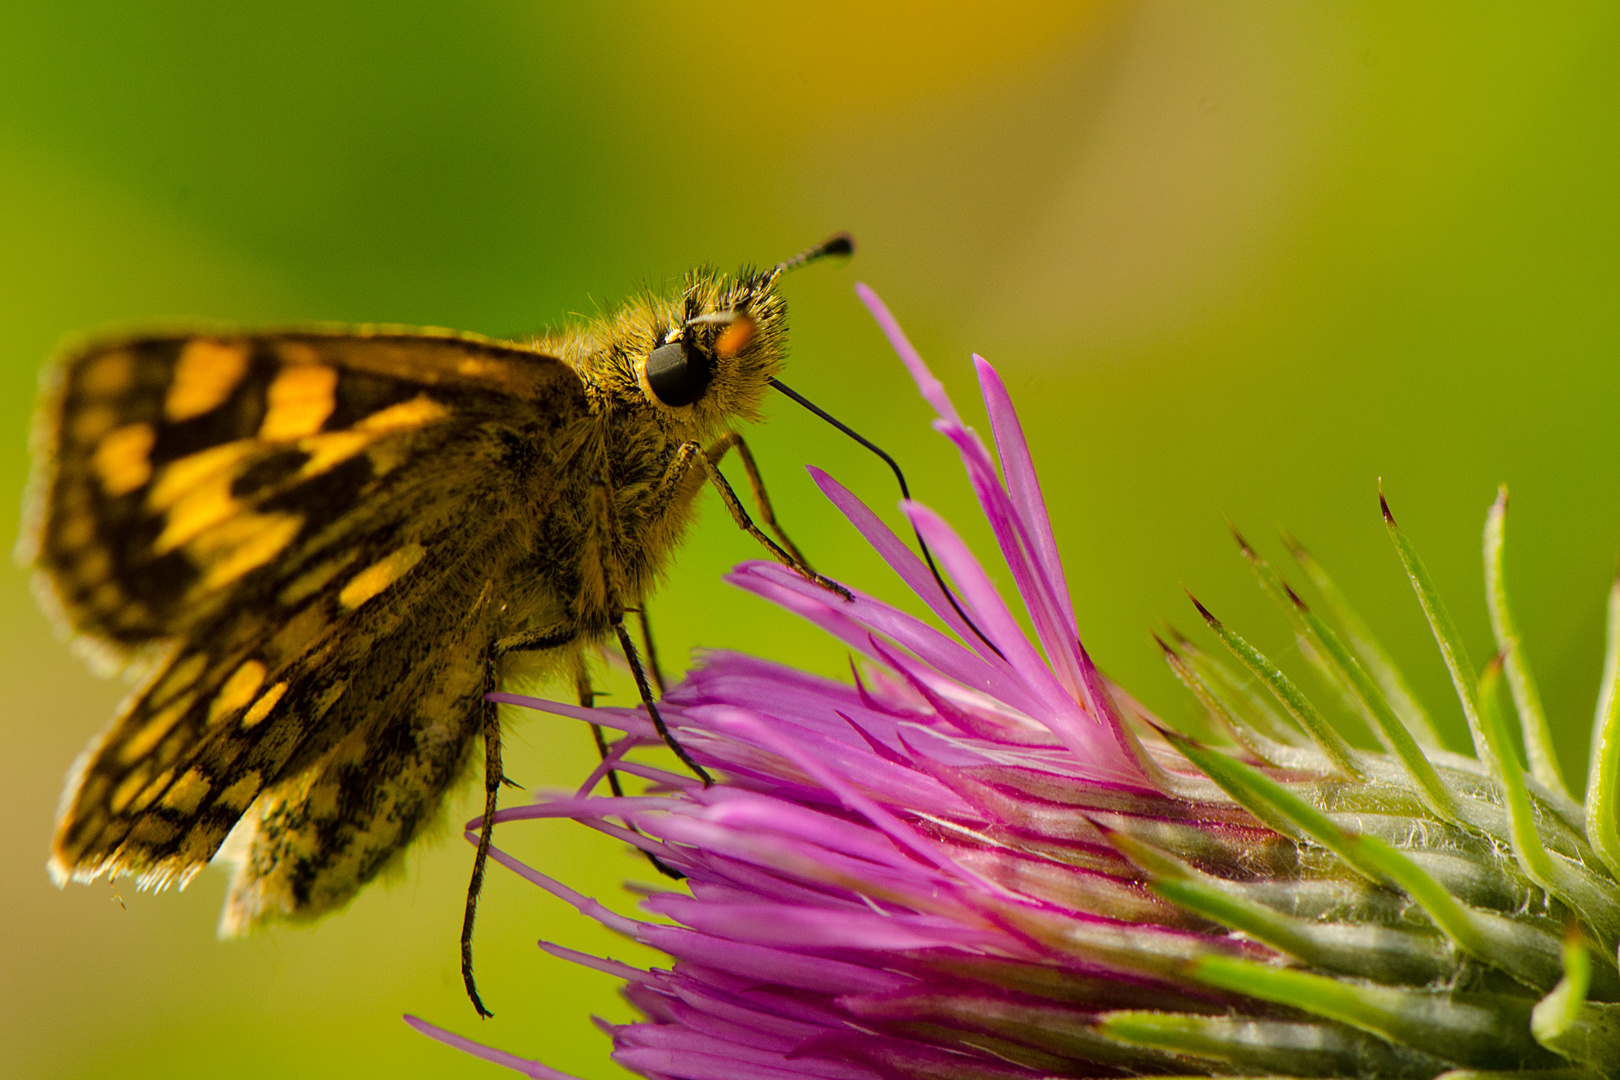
column 841, row 244
column 844, row 244
column 905, row 492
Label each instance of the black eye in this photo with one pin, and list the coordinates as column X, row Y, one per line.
column 678, row 373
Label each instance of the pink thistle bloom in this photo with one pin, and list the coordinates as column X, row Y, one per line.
column 984, row 861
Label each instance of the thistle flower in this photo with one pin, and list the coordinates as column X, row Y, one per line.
column 984, row 861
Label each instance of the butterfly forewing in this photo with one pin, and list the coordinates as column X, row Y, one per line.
column 318, row 524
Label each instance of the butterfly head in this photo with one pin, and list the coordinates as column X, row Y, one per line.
column 707, row 356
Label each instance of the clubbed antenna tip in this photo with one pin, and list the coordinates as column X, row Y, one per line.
column 839, row 244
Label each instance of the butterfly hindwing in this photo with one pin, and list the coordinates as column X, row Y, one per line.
column 315, row 522
column 315, row 838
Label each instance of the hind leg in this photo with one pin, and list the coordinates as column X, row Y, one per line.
column 530, row 641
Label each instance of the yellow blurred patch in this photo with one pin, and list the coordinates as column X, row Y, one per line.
column 123, row 458
column 204, row 377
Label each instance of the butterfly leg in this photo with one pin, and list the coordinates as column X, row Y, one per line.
column 739, row 514
column 763, row 501
column 653, row 670
column 634, row 660
column 492, row 790
column 550, row 638
column 587, row 699
column 680, row 481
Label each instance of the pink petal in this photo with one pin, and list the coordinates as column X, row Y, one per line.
column 476, row 1049
column 932, row 390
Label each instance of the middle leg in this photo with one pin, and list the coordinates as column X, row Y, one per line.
column 674, row 482
column 634, row 660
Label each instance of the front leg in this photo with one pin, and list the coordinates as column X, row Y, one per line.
column 690, row 454
column 717, row 453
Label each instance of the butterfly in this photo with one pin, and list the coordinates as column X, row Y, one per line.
column 325, row 546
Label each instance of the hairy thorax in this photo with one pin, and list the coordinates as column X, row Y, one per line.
column 600, row 533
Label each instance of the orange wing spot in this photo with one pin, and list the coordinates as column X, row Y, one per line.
column 420, row 411
column 262, row 707
column 243, row 544
column 297, row 352
column 146, row 739
column 187, row 793
column 95, row 564
column 300, row 399
column 128, row 788
column 152, row 791
column 92, row 789
column 204, row 377
column 237, row 692
column 184, row 476
column 71, row 841
column 297, row 634
column 240, row 794
column 327, row 699
column 109, row 375
column 379, row 575
column 89, row 424
column 131, row 615
column 331, row 448
column 194, row 851
column 123, row 458
column 195, row 514
column 107, row 597
column 179, row 677
column 313, row 581
column 75, row 533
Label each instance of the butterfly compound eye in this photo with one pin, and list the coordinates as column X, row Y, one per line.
column 678, row 373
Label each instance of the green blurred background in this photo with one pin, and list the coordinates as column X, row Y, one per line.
column 1237, row 259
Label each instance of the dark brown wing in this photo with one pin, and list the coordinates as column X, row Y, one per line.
column 314, row 520
column 152, row 453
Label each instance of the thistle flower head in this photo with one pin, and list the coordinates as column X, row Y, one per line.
column 982, row 860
